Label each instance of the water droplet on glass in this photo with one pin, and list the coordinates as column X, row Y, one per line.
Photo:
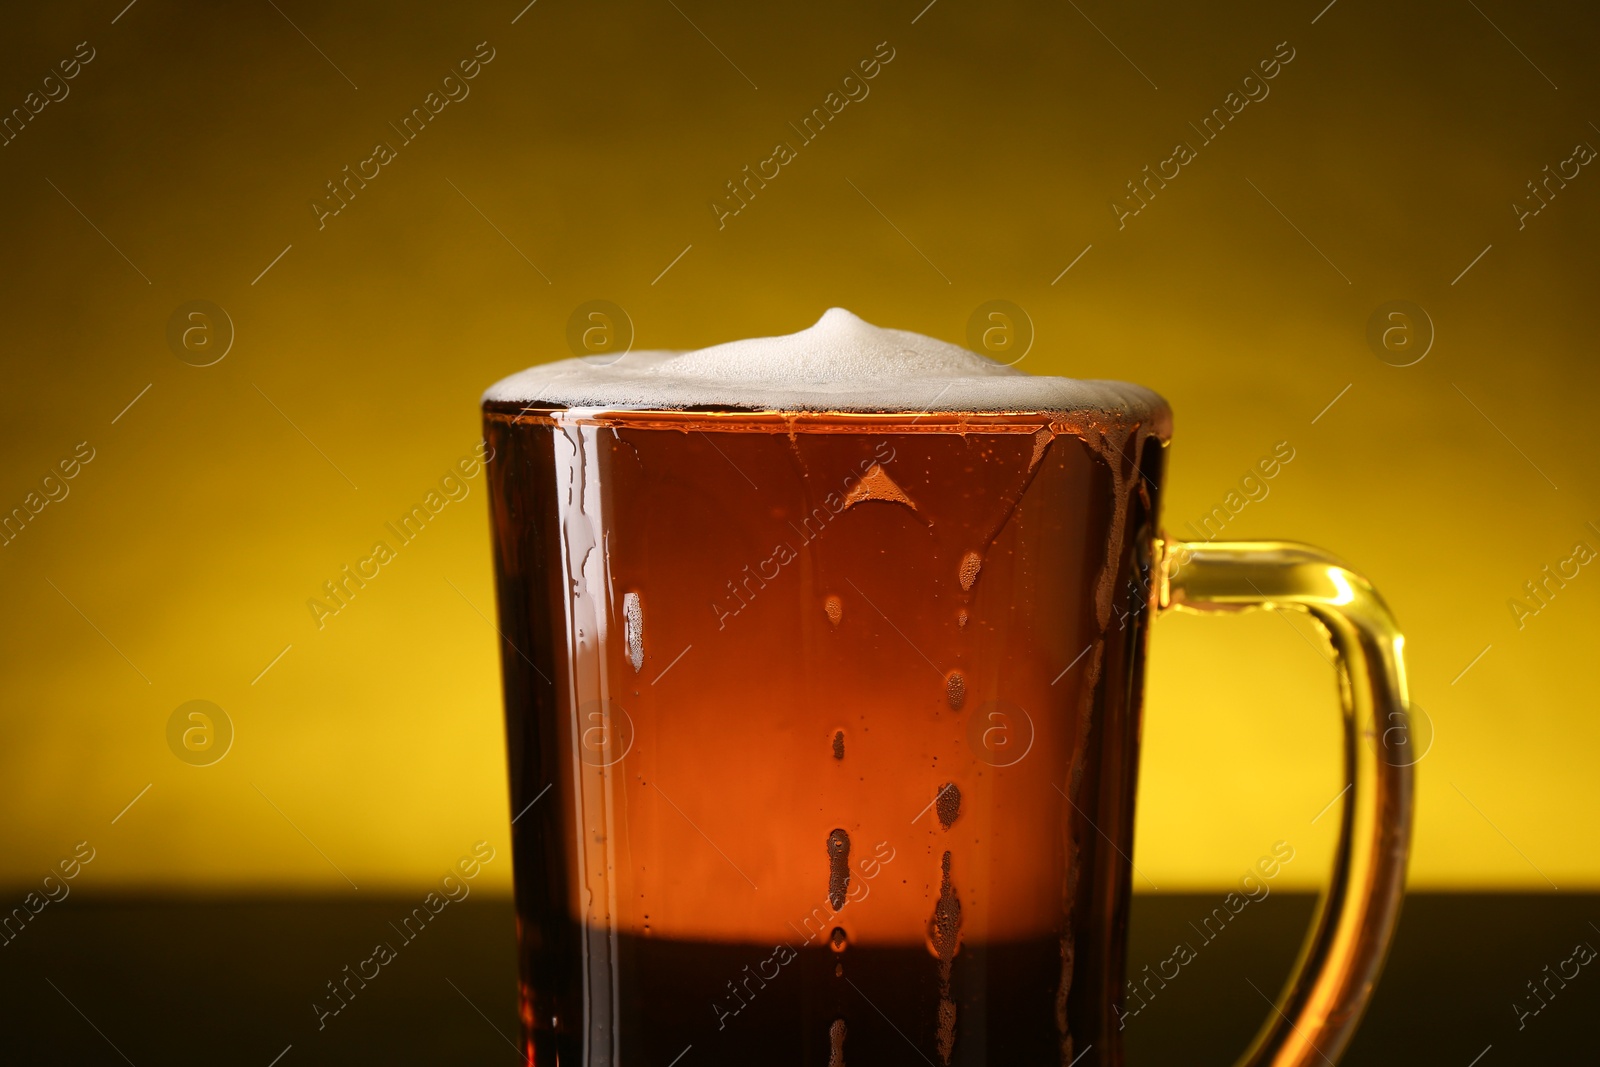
column 633, row 624
column 838, row 940
column 838, row 744
column 835, row 609
column 961, row 618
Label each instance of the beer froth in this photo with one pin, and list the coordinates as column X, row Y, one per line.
column 841, row 363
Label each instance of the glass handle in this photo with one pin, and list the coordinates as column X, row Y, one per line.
column 1321, row 1003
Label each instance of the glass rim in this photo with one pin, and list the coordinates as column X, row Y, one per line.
column 731, row 419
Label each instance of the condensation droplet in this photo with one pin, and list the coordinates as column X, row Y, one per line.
column 955, row 690
column 971, row 564
column 633, row 625
column 836, row 1035
column 838, row 940
column 838, row 744
column 835, row 609
column 838, row 867
column 961, row 618
column 948, row 804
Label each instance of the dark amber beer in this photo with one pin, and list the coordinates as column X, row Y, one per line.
column 822, row 724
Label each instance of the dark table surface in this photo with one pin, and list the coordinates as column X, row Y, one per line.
column 205, row 982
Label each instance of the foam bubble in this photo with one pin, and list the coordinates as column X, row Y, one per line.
column 838, row 867
column 633, row 622
column 948, row 804
column 971, row 564
column 839, row 364
column 955, row 690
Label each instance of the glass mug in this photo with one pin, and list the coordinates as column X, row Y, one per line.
column 823, row 732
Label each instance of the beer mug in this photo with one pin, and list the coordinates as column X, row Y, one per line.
column 823, row 660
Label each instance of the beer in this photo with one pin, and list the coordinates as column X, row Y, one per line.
column 822, row 722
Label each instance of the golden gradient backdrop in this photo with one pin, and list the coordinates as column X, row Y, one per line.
column 181, row 164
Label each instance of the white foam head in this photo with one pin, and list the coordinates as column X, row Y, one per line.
column 839, row 364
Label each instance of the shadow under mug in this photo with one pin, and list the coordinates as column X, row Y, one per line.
column 823, row 734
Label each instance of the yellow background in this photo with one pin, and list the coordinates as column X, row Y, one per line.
column 372, row 751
